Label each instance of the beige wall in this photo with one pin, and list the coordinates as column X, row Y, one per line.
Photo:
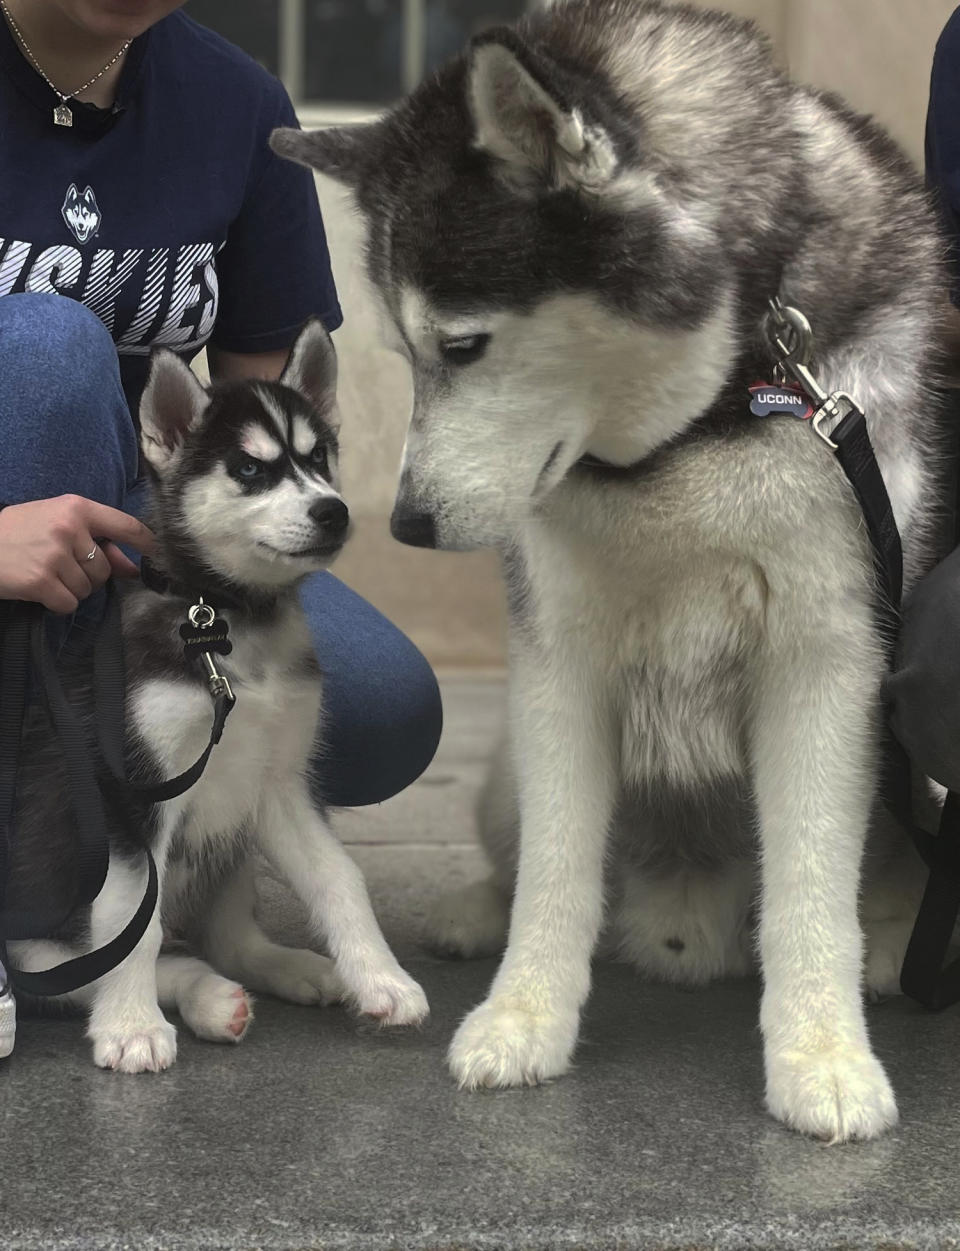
column 875, row 52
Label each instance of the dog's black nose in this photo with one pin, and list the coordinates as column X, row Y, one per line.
column 331, row 516
column 414, row 529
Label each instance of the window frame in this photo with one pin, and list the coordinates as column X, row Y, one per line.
column 290, row 56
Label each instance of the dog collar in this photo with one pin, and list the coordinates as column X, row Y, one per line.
column 154, row 579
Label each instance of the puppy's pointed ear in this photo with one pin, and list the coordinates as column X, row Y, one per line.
column 338, row 151
column 522, row 117
column 172, row 403
column 312, row 367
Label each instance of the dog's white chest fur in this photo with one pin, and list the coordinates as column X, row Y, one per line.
column 670, row 623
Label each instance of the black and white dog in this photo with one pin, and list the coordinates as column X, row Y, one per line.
column 576, row 230
column 245, row 505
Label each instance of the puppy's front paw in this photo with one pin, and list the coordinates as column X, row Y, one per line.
column 470, row 923
column 147, row 1049
column 837, row 1095
column 392, row 999
column 501, row 1043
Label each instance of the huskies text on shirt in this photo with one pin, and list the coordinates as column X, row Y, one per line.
column 167, row 215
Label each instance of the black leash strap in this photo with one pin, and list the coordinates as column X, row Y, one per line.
column 24, row 640
column 855, row 453
column 923, row 976
column 15, row 620
column 93, row 848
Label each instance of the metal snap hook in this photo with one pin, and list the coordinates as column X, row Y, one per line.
column 201, row 615
column 789, row 335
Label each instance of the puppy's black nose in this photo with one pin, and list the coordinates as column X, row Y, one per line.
column 413, row 528
column 330, row 515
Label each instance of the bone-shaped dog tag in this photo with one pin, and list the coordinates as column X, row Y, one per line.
column 205, row 633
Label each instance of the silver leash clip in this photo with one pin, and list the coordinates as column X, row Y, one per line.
column 203, row 617
column 790, row 337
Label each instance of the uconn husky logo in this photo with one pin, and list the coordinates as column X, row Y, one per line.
column 81, row 213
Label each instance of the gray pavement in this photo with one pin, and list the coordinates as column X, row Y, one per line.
column 319, row 1132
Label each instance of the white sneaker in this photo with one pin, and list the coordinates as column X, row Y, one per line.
column 8, row 1015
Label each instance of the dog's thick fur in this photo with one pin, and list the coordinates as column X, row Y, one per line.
column 245, row 505
column 576, row 229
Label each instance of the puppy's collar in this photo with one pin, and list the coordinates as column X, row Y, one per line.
column 154, row 579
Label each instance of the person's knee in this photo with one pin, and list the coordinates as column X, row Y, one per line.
column 60, row 389
column 415, row 723
column 60, row 343
column 383, row 732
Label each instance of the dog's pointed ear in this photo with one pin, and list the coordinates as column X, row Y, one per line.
column 338, row 151
column 172, row 403
column 523, row 118
column 312, row 367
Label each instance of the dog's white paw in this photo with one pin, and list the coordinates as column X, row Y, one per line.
column 391, row 999
column 886, row 946
column 502, row 1043
column 216, row 1009
column 837, row 1095
column 299, row 976
column 147, row 1049
column 470, row 923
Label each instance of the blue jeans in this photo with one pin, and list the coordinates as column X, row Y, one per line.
column 65, row 429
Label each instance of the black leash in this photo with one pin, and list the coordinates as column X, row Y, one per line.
column 24, row 641
column 924, row 976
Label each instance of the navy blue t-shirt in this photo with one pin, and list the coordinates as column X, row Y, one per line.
column 943, row 139
column 167, row 215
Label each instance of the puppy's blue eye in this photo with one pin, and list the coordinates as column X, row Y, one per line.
column 319, row 457
column 249, row 469
column 465, row 349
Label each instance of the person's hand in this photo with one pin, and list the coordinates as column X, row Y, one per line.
column 44, row 547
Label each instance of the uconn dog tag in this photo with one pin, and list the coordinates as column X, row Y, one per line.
column 768, row 400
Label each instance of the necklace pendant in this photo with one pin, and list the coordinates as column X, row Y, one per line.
column 62, row 116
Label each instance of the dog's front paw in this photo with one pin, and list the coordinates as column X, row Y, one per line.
column 836, row 1095
column 392, row 999
column 470, row 923
column 886, row 946
column 147, row 1049
column 502, row 1043
column 298, row 976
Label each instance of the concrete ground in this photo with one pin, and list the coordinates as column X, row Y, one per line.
column 321, row 1133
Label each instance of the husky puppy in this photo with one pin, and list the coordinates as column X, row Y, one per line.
column 576, row 229
column 245, row 505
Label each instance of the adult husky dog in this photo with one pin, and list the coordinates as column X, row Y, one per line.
column 245, row 505
column 576, row 229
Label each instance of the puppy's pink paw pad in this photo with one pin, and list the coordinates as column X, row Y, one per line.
column 217, row 1009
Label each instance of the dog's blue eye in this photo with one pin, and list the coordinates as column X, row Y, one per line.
column 249, row 469
column 319, row 457
column 465, row 349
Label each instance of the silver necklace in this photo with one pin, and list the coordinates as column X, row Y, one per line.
column 62, row 114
